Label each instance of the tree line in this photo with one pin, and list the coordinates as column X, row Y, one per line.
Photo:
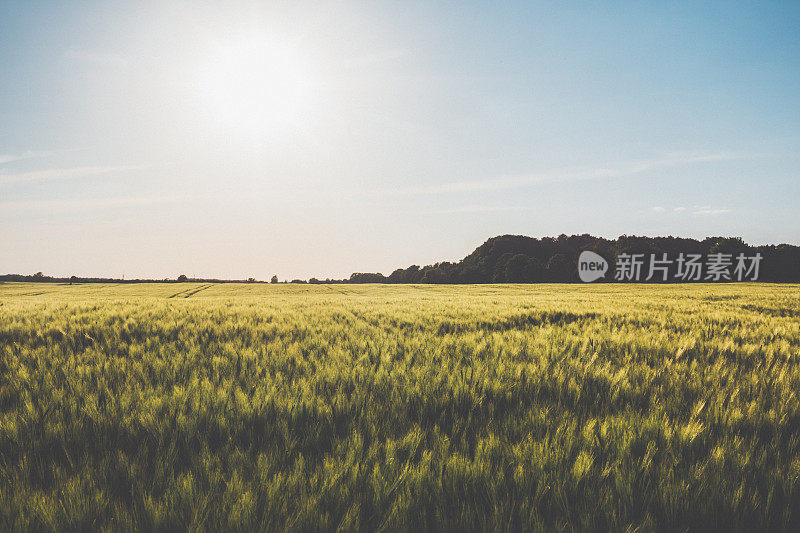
column 521, row 259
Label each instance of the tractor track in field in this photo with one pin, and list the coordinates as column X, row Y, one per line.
column 202, row 288
column 178, row 293
column 185, row 293
column 191, row 291
column 340, row 291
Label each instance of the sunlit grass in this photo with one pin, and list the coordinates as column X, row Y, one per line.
column 495, row 407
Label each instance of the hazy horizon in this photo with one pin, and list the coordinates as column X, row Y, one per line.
column 320, row 139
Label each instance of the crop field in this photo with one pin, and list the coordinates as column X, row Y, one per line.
column 399, row 407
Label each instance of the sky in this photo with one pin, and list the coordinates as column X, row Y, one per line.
column 238, row 139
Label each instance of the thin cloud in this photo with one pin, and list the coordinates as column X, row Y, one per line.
column 564, row 175
column 63, row 173
column 84, row 203
column 701, row 210
column 707, row 210
column 8, row 158
column 669, row 161
column 464, row 209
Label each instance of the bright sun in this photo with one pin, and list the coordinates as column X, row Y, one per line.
column 256, row 86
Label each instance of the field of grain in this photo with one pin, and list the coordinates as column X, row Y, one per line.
column 386, row 407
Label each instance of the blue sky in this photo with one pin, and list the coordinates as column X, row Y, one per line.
column 317, row 139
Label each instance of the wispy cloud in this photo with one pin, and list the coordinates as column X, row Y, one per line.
column 564, row 175
column 707, row 210
column 63, row 173
column 8, row 158
column 702, row 210
column 84, row 203
column 672, row 160
column 464, row 209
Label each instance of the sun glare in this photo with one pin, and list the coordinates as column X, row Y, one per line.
column 256, row 86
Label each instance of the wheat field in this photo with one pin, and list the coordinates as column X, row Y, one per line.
column 399, row 407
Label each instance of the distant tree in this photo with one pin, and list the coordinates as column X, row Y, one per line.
column 499, row 270
column 726, row 245
column 314, row 281
column 367, row 277
column 273, row 279
column 518, row 269
column 470, row 274
column 183, row 277
column 73, row 279
column 298, row 281
column 38, row 275
column 251, row 280
column 411, row 274
column 560, row 268
column 437, row 274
